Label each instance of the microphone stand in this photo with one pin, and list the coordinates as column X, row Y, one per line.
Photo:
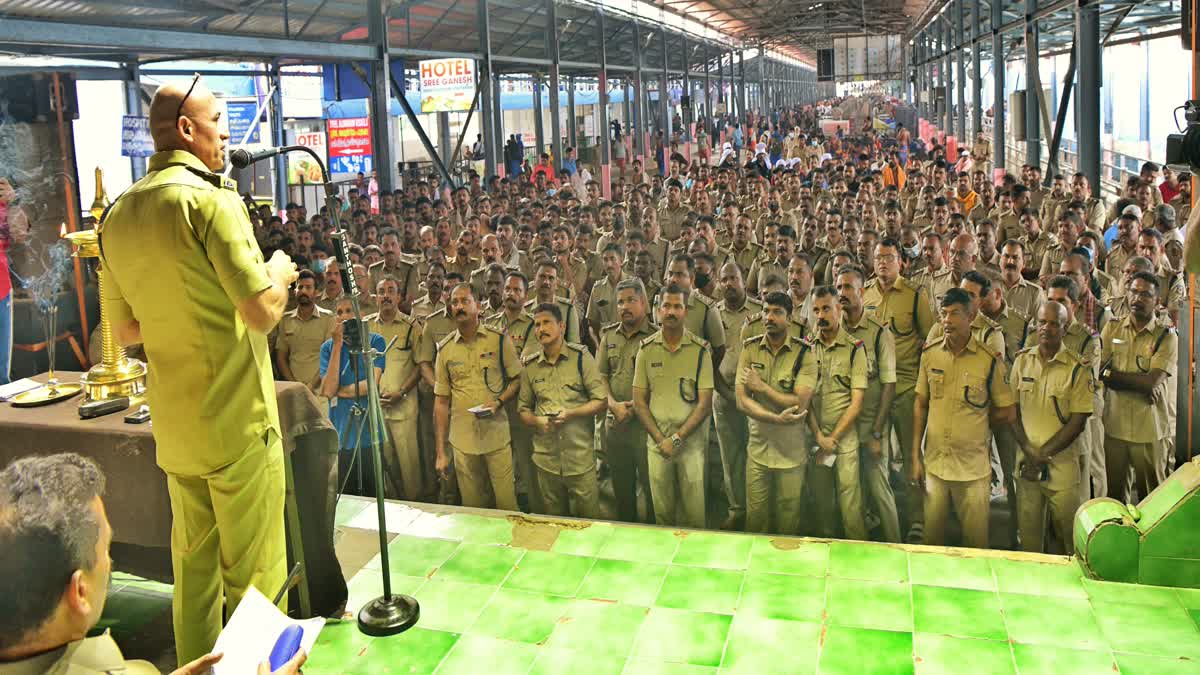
column 391, row 613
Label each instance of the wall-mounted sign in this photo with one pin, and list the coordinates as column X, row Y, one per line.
column 447, row 85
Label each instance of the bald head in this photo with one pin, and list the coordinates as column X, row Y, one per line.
column 197, row 127
column 965, row 243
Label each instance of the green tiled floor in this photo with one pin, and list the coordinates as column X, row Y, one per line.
column 610, row 599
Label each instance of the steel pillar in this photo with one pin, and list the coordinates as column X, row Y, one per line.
column 976, row 75
column 1087, row 90
column 762, row 78
column 602, row 99
column 572, row 125
column 552, row 52
column 498, row 126
column 721, row 80
column 743, row 104
column 947, row 77
column 685, row 111
column 381, row 96
column 664, row 102
column 443, row 127
column 489, row 109
column 960, row 40
column 539, row 126
column 639, row 110
column 133, row 106
column 1033, row 108
column 278, row 140
column 998, row 102
column 708, row 107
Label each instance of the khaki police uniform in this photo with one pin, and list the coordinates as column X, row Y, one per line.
column 565, row 458
column 1051, row 203
column 671, row 220
column 755, row 326
column 776, row 454
column 984, row 329
column 704, row 320
column 569, row 315
column 212, row 392
column 422, row 307
column 935, row 284
column 841, row 369
column 729, row 422
column 404, row 272
column 478, row 280
column 97, row 655
column 674, row 380
column 659, row 248
column 434, row 329
column 767, row 265
column 880, row 349
column 1048, row 393
column 1015, row 328
column 905, row 310
column 1052, row 260
column 405, row 467
column 1036, row 248
column 743, row 258
column 520, row 331
column 302, row 338
column 1024, row 296
column 961, row 390
column 602, row 302
column 624, row 444
column 472, row 373
column 1136, row 429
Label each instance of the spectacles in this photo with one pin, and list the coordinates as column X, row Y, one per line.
column 179, row 112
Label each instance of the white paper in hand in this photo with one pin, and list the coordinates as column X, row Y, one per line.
column 252, row 631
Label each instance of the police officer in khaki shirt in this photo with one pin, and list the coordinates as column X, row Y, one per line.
column 545, row 283
column 180, row 259
column 703, row 318
column 1025, row 296
column 397, row 265
column 872, row 425
column 672, row 396
column 517, row 325
column 1139, row 360
column 477, row 373
column 1053, row 388
column 961, row 391
column 672, row 214
column 732, row 432
column 602, row 300
column 770, row 367
column 984, row 329
column 904, row 309
column 839, row 388
column 624, row 438
column 405, row 467
column 301, row 333
column 561, row 394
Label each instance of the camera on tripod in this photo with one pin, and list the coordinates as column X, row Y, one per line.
column 1183, row 149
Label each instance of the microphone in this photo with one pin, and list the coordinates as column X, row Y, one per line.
column 242, row 158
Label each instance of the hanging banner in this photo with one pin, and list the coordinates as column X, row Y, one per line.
column 135, row 136
column 350, row 145
column 242, row 121
column 302, row 170
column 447, row 85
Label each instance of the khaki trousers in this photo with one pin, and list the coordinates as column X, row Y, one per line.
column 970, row 499
column 577, row 496
column 877, row 484
column 1033, row 501
column 626, row 450
column 733, row 433
column 844, row 481
column 774, row 498
column 677, row 484
column 902, row 422
column 486, row 480
column 405, row 466
column 227, row 534
column 1147, row 460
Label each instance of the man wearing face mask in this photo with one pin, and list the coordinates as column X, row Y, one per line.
column 300, row 334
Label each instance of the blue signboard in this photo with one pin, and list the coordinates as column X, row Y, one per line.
column 242, row 120
column 351, row 164
column 135, row 136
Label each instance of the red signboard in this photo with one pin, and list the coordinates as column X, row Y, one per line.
column 349, row 145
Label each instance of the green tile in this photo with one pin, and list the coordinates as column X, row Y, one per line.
column 1189, row 597
column 640, row 544
column 872, row 562
column 463, row 526
column 480, row 564
column 473, row 654
column 757, row 645
column 416, row 556
column 603, row 628
column 1145, row 629
column 700, row 589
column 951, row 569
column 857, row 651
column 1195, row 613
column 585, row 541
column 347, row 509
column 685, row 637
column 945, row 655
column 958, row 611
column 784, row 556
column 520, row 616
column 652, row 667
column 783, row 596
column 712, row 549
column 552, row 661
column 340, row 646
column 623, row 581
column 551, row 573
column 1051, row 660
column 368, row 585
column 398, row 516
column 417, row 651
column 1065, row 622
column 1031, row 578
column 450, row 605
column 884, row 605
column 1138, row 594
column 1144, row 664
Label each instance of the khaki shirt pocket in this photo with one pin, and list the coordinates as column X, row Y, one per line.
column 975, row 391
column 937, row 384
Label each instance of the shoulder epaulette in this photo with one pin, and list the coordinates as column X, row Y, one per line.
column 757, row 316
column 576, row 346
column 649, row 340
column 371, row 317
column 446, row 340
column 936, row 341
column 378, row 264
column 530, row 358
column 440, row 312
column 611, row 326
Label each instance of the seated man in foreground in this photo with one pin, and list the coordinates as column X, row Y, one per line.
column 53, row 527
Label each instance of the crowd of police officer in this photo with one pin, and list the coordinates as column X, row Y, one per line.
column 860, row 343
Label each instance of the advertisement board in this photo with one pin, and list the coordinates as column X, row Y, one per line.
column 243, row 124
column 302, row 170
column 135, row 136
column 447, row 85
column 350, row 145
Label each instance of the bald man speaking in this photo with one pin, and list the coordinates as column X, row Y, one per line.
column 185, row 278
